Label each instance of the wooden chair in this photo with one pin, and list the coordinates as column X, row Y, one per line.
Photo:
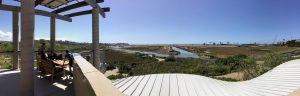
column 48, row 67
column 59, row 57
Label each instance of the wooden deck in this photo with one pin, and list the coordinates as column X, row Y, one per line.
column 10, row 85
column 281, row 81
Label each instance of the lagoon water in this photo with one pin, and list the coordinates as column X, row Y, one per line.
column 183, row 53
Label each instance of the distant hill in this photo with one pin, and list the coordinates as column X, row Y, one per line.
column 60, row 45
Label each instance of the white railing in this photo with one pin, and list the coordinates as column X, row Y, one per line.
column 88, row 81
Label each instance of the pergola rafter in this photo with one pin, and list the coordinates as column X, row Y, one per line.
column 37, row 12
column 73, row 6
column 38, row 2
column 95, row 5
column 85, row 12
column 48, row 3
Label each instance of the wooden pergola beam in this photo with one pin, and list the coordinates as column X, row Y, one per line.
column 73, row 6
column 95, row 5
column 106, row 9
column 79, row 13
column 37, row 2
column 37, row 12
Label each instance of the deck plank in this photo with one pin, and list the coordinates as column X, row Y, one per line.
column 141, row 86
column 174, row 85
column 149, row 85
column 165, row 88
column 157, row 85
column 281, row 81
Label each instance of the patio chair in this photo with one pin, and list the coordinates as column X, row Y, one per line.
column 59, row 57
column 48, row 67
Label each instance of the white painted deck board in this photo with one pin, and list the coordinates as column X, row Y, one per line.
column 123, row 82
column 280, row 81
column 141, row 86
column 157, row 85
column 165, row 88
column 173, row 85
column 129, row 83
column 149, row 86
column 135, row 84
column 181, row 85
column 118, row 81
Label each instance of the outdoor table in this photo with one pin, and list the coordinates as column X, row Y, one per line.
column 62, row 64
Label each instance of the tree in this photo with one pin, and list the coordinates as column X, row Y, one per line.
column 293, row 43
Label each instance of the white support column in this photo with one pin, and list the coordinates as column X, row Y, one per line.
column 95, row 29
column 15, row 29
column 27, row 51
column 102, row 61
column 52, row 34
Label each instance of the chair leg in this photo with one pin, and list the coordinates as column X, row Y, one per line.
column 64, row 72
column 52, row 75
column 71, row 71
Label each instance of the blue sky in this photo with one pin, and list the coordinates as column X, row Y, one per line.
column 178, row 22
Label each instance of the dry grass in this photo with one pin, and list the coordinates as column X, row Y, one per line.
column 111, row 72
column 223, row 52
column 235, row 75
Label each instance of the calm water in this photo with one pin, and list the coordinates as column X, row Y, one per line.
column 183, row 53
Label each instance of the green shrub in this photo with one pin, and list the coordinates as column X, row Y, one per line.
column 6, row 47
column 110, row 66
column 113, row 77
column 6, row 65
column 170, row 58
column 252, row 70
column 226, row 79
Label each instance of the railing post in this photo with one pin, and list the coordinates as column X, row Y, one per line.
column 95, row 29
column 27, row 51
column 15, row 25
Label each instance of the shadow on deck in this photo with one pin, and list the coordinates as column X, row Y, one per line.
column 10, row 85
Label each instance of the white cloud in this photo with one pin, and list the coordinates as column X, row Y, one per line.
column 5, row 36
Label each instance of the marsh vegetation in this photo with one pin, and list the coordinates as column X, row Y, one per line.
column 250, row 66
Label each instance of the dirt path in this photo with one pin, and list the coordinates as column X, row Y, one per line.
column 235, row 75
column 112, row 72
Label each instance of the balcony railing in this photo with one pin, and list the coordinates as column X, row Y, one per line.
column 88, row 81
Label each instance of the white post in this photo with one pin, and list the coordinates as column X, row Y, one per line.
column 27, row 51
column 95, row 29
column 102, row 61
column 15, row 25
column 52, row 34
